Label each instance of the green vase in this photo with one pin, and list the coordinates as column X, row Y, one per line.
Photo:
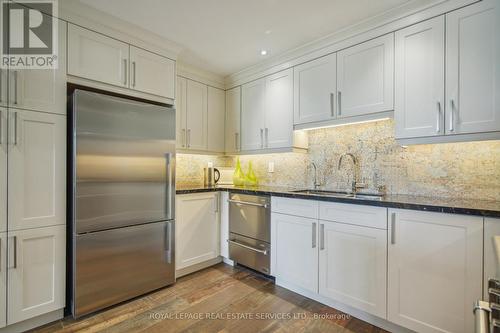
column 238, row 176
column 250, row 178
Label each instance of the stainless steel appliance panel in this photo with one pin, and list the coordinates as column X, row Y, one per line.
column 115, row 265
column 250, row 216
column 124, row 162
column 250, row 252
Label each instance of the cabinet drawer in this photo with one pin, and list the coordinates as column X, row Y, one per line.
column 367, row 216
column 296, row 207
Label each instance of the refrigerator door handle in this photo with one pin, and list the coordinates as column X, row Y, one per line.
column 170, row 204
column 168, row 242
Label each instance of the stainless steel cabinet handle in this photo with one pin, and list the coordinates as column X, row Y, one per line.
column 332, row 103
column 133, row 73
column 217, row 203
column 236, row 141
column 339, row 101
column 14, row 252
column 1, row 85
column 183, row 138
column 247, row 203
column 393, row 228
column 314, row 235
column 264, row 252
column 14, row 132
column 261, row 138
column 125, row 70
column 1, row 127
column 452, row 111
column 438, row 120
column 267, row 137
column 321, row 236
column 15, row 87
column 188, row 138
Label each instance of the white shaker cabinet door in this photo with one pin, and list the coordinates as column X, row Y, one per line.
column 365, row 77
column 3, row 169
column 233, row 117
column 315, row 89
column 151, row 73
column 3, row 279
column 4, row 81
column 278, row 131
column 37, row 169
column 473, row 69
column 36, row 274
column 41, row 89
column 97, row 57
column 196, row 116
column 419, row 98
column 435, row 270
column 216, row 119
column 180, row 112
column 253, row 110
column 295, row 250
column 352, row 266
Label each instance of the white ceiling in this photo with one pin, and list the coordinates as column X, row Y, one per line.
column 226, row 36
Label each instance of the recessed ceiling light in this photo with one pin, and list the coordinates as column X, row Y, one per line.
column 267, row 32
column 263, row 52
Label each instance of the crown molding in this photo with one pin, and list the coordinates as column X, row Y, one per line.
column 200, row 75
column 387, row 22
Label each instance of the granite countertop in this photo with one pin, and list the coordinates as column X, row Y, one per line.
column 444, row 205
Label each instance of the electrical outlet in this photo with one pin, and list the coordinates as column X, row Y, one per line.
column 270, row 167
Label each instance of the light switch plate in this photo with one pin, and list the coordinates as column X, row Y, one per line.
column 270, row 167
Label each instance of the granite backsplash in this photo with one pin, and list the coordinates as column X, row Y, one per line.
column 451, row 170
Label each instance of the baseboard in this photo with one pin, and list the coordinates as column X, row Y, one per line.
column 196, row 267
column 369, row 318
column 228, row 261
column 29, row 324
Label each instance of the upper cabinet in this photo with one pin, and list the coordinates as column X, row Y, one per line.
column 151, row 73
column 233, row 118
column 419, row 97
column 365, row 77
column 315, row 89
column 97, row 57
column 267, row 114
column 473, row 69
column 216, row 115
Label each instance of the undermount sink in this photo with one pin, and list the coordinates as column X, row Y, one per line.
column 342, row 194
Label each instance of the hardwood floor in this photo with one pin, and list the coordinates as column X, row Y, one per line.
column 218, row 299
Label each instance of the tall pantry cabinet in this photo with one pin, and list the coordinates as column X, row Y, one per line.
column 33, row 190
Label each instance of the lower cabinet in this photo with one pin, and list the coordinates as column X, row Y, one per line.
column 491, row 252
column 36, row 272
column 3, row 279
column 197, row 229
column 295, row 249
column 435, row 270
column 352, row 266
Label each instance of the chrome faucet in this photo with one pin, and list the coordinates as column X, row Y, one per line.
column 355, row 185
column 317, row 184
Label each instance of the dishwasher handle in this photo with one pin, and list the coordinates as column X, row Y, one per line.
column 264, row 252
column 248, row 203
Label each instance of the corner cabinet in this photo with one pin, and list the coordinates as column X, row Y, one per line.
column 216, row 100
column 432, row 288
column 196, row 229
column 365, row 77
column 100, row 58
column 233, row 120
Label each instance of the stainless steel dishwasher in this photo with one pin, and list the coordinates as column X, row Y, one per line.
column 250, row 231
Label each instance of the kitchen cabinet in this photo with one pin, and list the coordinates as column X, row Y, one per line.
column 36, row 169
column 180, row 112
column 36, row 274
column 473, row 69
column 278, row 129
column 3, row 170
column 491, row 252
column 431, row 288
column 295, row 247
column 315, row 89
column 97, row 57
column 41, row 89
column 233, row 118
column 196, row 229
column 253, row 110
column 151, row 73
column 224, row 225
column 365, row 77
column 216, row 119
column 419, row 90
column 352, row 265
column 3, row 86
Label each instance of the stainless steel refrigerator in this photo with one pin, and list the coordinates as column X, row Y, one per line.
column 123, row 199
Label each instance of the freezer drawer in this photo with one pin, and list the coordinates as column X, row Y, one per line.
column 115, row 265
column 250, row 252
column 250, row 216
